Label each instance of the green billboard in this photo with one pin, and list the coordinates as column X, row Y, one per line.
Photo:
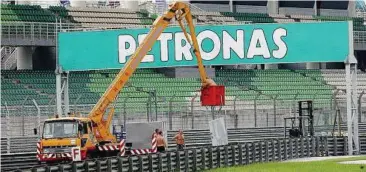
column 219, row 44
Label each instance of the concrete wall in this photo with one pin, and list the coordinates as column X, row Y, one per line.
column 24, row 58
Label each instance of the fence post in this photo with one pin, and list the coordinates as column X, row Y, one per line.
column 23, row 119
column 8, row 134
column 61, row 168
column 326, row 149
column 255, row 109
column 279, row 149
column 125, row 112
column 76, row 101
column 313, row 146
column 210, row 158
column 254, row 152
column 233, row 157
column 169, row 161
column 307, row 146
column 345, row 146
column 186, row 160
column 38, row 123
column 275, row 110
column 141, row 164
column 317, row 145
column 149, row 156
column 177, row 160
column 130, row 164
column 235, row 114
column 97, row 164
column 294, row 104
column 203, row 158
column 218, row 155
column 260, row 151
column 360, row 107
column 170, row 113
column 247, row 153
column 74, row 167
column 160, row 163
column 302, row 147
column 192, row 113
column 297, row 147
column 273, row 143
column 285, row 148
column 335, row 146
column 266, row 151
column 194, row 166
column 226, row 156
column 240, row 146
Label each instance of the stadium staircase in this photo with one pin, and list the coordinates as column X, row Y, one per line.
column 8, row 58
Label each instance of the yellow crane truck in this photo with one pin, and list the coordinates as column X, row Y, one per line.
column 91, row 135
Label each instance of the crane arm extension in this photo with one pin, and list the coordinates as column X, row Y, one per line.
column 178, row 10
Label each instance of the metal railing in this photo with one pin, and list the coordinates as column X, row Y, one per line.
column 34, row 30
column 214, row 157
column 359, row 37
column 193, row 138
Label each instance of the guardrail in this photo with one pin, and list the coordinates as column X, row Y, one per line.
column 213, row 157
column 45, row 33
column 193, row 138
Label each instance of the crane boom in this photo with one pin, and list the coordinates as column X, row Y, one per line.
column 178, row 10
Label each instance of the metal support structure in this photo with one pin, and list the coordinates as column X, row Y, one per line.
column 360, row 106
column 8, row 134
column 351, row 86
column 62, row 81
column 62, row 91
column 65, row 80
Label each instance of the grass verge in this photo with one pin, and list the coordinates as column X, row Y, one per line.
column 331, row 165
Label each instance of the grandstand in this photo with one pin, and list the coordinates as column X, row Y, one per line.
column 22, row 78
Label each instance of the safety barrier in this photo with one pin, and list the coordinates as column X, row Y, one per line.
column 214, row 157
column 193, row 138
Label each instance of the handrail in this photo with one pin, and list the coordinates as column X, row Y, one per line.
column 37, row 30
column 12, row 58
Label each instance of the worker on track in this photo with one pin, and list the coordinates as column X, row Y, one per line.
column 160, row 142
column 179, row 139
column 155, row 134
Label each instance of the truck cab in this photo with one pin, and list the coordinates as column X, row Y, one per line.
column 60, row 135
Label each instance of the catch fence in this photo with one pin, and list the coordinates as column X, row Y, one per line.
column 20, row 120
